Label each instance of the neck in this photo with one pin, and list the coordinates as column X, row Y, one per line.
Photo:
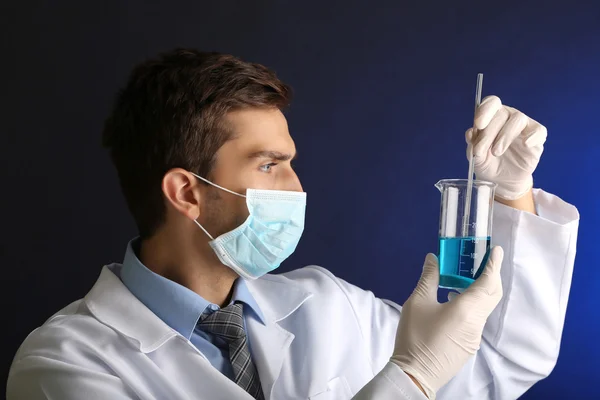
column 181, row 259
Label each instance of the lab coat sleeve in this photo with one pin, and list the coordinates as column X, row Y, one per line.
column 522, row 336
column 36, row 377
column 391, row 383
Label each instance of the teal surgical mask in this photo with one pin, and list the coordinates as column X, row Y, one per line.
column 269, row 235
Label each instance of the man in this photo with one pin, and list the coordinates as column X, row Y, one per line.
column 203, row 155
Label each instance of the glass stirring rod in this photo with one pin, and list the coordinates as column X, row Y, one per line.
column 466, row 216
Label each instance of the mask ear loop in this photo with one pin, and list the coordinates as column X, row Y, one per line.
column 205, row 231
column 219, row 187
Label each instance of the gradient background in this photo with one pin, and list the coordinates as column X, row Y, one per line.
column 384, row 93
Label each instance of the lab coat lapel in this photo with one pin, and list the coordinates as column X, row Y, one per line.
column 277, row 297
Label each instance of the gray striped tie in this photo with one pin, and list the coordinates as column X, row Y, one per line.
column 228, row 324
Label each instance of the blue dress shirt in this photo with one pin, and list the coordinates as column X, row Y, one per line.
column 181, row 308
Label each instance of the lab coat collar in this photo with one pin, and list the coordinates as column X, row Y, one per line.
column 277, row 296
column 178, row 306
column 113, row 304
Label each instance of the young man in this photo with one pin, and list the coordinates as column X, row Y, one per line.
column 203, row 155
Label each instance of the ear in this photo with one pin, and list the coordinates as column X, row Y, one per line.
column 181, row 190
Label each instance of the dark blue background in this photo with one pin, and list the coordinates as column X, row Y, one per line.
column 384, row 93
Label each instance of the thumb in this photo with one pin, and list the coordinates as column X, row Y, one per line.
column 489, row 282
column 430, row 278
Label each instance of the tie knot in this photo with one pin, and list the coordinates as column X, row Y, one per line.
column 227, row 323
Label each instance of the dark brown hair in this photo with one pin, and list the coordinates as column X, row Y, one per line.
column 170, row 114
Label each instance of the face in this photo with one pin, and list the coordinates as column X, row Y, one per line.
column 258, row 156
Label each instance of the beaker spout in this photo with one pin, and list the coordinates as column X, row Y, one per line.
column 439, row 185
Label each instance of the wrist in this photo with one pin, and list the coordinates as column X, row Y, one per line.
column 513, row 190
column 523, row 203
column 416, row 382
column 411, row 372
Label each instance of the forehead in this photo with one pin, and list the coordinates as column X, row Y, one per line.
column 257, row 130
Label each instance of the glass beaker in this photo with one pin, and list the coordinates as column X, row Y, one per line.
column 464, row 244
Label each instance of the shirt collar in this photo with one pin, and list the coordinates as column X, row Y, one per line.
column 176, row 305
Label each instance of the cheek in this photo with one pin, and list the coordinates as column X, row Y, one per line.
column 241, row 212
column 225, row 213
column 233, row 213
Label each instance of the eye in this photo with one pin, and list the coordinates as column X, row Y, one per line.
column 267, row 167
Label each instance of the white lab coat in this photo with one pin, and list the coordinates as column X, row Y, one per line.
column 324, row 338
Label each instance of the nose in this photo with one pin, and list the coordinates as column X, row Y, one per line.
column 293, row 182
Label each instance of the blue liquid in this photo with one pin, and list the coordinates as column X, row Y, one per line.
column 462, row 260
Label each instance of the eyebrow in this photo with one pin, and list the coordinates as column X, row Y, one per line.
column 273, row 155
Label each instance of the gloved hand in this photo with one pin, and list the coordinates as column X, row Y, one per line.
column 507, row 147
column 434, row 340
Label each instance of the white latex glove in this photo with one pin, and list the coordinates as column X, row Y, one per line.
column 507, row 147
column 434, row 340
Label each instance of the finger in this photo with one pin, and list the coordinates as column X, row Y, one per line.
column 430, row 278
column 514, row 126
column 485, row 112
column 534, row 134
column 485, row 137
column 489, row 282
column 469, row 135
